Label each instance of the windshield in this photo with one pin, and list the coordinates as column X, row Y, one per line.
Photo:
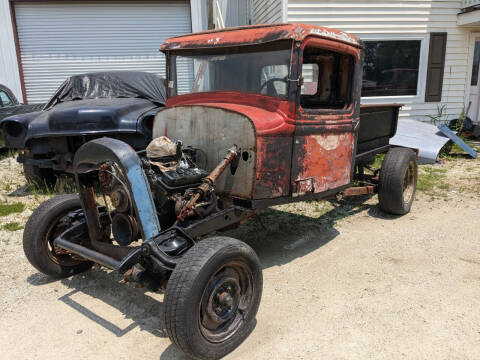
column 253, row 69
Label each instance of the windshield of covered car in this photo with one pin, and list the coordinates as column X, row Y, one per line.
column 254, row 69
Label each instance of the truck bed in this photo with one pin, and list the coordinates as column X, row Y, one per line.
column 378, row 123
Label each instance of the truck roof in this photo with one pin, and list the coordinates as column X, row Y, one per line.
column 257, row 34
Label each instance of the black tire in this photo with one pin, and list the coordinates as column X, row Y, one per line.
column 39, row 177
column 204, row 279
column 41, row 228
column 398, row 181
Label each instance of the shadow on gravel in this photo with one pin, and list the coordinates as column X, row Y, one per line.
column 145, row 311
column 39, row 279
column 279, row 237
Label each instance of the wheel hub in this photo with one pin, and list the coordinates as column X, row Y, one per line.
column 225, row 303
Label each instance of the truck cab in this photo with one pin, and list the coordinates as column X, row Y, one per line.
column 287, row 95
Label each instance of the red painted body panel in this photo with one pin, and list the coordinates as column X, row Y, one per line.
column 271, row 116
column 323, row 161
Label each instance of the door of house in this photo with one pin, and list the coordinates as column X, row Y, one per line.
column 474, row 111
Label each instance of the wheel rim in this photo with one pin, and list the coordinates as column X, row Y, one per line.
column 57, row 255
column 409, row 183
column 226, row 301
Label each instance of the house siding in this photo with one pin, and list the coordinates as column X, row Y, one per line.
column 267, row 11
column 410, row 18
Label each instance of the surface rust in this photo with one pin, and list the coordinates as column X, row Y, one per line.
column 360, row 190
column 208, row 182
column 248, row 35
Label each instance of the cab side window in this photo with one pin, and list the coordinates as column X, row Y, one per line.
column 327, row 79
column 4, row 99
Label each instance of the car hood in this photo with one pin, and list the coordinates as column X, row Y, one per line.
column 81, row 117
column 19, row 109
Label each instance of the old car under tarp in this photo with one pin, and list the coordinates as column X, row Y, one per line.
column 118, row 104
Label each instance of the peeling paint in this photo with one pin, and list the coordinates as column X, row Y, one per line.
column 328, row 142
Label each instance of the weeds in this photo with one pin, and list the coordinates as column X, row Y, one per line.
column 378, row 161
column 441, row 117
column 431, row 179
column 7, row 209
column 12, row 226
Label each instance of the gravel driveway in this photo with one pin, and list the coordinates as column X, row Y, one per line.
column 341, row 281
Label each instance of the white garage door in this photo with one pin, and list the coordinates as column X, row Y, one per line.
column 60, row 39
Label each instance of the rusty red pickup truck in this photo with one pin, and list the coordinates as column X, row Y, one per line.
column 258, row 116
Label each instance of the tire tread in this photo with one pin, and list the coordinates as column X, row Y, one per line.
column 183, row 279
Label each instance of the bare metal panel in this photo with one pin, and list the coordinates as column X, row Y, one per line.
column 214, row 131
column 422, row 136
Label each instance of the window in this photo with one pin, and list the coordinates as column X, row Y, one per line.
column 254, row 69
column 391, row 68
column 5, row 99
column 274, row 80
column 310, row 79
column 327, row 79
column 476, row 62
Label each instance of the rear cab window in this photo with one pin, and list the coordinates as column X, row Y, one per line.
column 327, row 79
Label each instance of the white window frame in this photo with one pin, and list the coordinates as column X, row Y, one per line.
column 422, row 69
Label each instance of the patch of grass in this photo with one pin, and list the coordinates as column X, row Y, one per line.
column 378, row 161
column 12, row 226
column 7, row 209
column 431, row 179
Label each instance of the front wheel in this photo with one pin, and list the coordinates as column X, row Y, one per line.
column 47, row 222
column 212, row 298
column 398, row 181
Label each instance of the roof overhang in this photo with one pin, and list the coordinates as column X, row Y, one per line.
column 469, row 18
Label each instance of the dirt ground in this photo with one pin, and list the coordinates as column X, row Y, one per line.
column 341, row 281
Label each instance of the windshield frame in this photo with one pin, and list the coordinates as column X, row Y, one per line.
column 171, row 56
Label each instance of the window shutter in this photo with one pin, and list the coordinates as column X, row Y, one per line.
column 436, row 66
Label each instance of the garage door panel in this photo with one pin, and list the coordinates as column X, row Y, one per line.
column 60, row 39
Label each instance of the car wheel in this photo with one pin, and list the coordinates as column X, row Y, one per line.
column 44, row 225
column 398, row 181
column 212, row 298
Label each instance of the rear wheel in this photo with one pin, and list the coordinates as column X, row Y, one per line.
column 398, row 181
column 212, row 298
column 47, row 222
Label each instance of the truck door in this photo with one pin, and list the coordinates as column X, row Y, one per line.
column 327, row 117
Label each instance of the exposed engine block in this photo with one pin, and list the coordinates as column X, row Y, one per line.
column 182, row 191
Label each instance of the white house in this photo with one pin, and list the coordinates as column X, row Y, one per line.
column 407, row 59
column 422, row 53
